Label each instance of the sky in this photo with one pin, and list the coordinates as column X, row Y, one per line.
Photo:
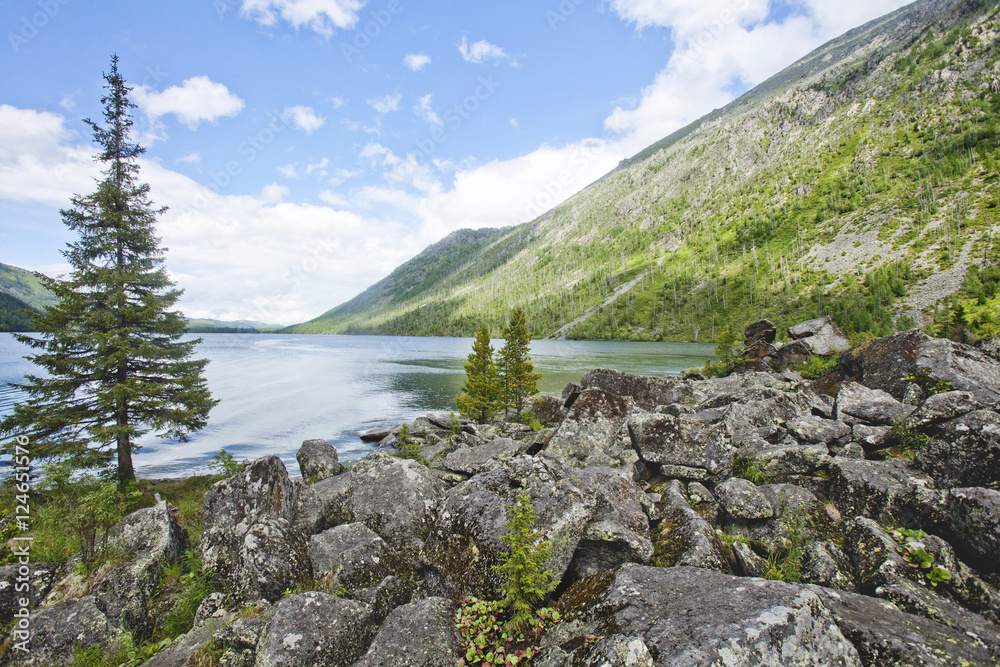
column 306, row 148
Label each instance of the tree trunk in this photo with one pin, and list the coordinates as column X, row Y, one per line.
column 126, row 473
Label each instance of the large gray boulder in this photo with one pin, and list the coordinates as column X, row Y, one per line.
column 821, row 335
column 891, row 363
column 37, row 577
column 892, row 492
column 646, row 392
column 354, row 554
column 685, row 440
column 813, row 430
column 322, row 505
column 682, row 536
column 857, row 403
column 394, row 497
column 474, row 460
column 743, row 500
column 965, row 452
column 589, row 435
column 686, row 616
column 318, row 460
column 885, row 635
column 419, row 634
column 249, row 537
column 57, row 630
column 974, row 515
column 152, row 538
column 316, row 629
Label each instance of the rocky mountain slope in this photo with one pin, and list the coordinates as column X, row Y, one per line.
column 753, row 519
column 860, row 183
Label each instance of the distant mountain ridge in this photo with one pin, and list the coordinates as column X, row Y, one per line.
column 860, row 182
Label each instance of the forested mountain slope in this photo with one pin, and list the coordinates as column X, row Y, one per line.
column 860, row 183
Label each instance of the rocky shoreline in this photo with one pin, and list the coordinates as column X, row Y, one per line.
column 752, row 519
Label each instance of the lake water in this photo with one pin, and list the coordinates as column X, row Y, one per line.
column 277, row 391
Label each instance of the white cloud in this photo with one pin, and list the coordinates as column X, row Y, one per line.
column 196, row 100
column 304, row 118
column 416, row 61
column 289, row 170
column 318, row 166
column 68, row 102
column 482, row 52
column 721, row 43
column 190, row 158
column 515, row 123
column 423, row 109
column 337, row 102
column 384, row 105
column 321, row 16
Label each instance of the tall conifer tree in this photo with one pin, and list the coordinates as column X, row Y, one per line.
column 480, row 392
column 116, row 368
column 517, row 374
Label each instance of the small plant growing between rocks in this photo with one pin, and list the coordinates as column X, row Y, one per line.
column 485, row 640
column 407, row 447
column 750, row 470
column 799, row 530
column 225, row 464
column 907, row 438
column 916, row 556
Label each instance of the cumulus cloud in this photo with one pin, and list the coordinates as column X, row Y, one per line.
column 190, row 158
column 416, row 61
column 196, row 100
column 304, row 118
column 321, row 16
column 483, row 52
column 386, row 104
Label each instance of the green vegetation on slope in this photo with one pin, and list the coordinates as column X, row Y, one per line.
column 25, row 286
column 860, row 186
column 12, row 316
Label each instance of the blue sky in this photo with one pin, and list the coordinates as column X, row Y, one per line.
column 307, row 147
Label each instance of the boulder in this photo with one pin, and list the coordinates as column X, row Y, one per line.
column 974, row 515
column 549, row 410
column 812, row 429
column 316, row 629
column 322, row 505
column 570, row 393
column 354, row 554
column 239, row 640
column 892, row 492
column 685, row 440
column 990, row 346
column 885, row 635
column 646, row 392
column 589, row 433
column 944, row 407
column 151, row 538
column 787, row 458
column 893, row 362
column 377, row 434
column 871, row 438
column 743, row 500
column 761, row 330
column 394, row 497
column 965, row 452
column 474, row 460
column 30, row 581
column 419, row 634
column 57, row 630
column 318, row 460
column 857, row 403
column 821, row 335
column 748, row 562
column 686, row 616
column 183, row 650
column 683, row 537
column 441, row 420
column 795, row 353
column 249, row 538
column 874, row 553
column 826, row 565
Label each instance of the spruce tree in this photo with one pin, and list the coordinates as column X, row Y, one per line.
column 518, row 379
column 116, row 368
column 528, row 581
column 480, row 392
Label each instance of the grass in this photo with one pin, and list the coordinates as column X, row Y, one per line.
column 750, row 470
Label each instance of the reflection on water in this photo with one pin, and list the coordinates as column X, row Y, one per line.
column 277, row 391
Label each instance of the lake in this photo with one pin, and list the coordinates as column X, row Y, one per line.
column 278, row 390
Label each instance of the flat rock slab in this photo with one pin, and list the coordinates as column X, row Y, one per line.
column 891, row 492
column 885, row 635
column 647, row 392
column 975, row 520
column 857, row 403
column 689, row 616
column 589, row 433
column 482, row 458
column 821, row 335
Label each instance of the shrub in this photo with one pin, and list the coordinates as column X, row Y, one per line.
column 407, row 448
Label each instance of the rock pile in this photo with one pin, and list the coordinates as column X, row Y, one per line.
column 746, row 520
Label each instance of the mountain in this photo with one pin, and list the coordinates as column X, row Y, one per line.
column 24, row 286
column 860, row 182
column 206, row 325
